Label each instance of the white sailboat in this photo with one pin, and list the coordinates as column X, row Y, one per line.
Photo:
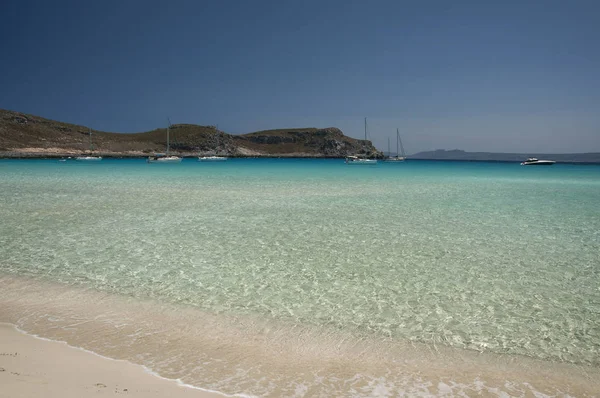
column 215, row 157
column 89, row 157
column 396, row 158
column 355, row 159
column 165, row 158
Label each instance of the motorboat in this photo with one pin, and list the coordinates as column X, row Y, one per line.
column 212, row 158
column 537, row 162
column 215, row 157
column 88, row 158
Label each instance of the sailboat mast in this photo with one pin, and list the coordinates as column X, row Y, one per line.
column 397, row 140
column 365, row 129
column 217, row 140
column 401, row 146
column 168, row 127
column 388, row 146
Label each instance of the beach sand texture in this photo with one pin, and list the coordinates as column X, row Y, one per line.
column 32, row 368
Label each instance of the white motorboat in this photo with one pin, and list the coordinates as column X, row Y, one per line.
column 537, row 162
column 212, row 158
column 164, row 158
column 89, row 157
column 396, row 158
column 215, row 157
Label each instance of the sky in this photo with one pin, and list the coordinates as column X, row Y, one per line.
column 498, row 76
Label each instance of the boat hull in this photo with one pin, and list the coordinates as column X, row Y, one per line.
column 539, row 163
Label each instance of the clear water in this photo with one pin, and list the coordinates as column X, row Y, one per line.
column 307, row 257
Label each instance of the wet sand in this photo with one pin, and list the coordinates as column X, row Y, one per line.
column 33, row 367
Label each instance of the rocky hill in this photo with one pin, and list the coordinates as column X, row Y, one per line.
column 23, row 135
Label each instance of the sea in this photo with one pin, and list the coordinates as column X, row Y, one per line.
column 310, row 277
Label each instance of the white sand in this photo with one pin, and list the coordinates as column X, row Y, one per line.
column 32, row 367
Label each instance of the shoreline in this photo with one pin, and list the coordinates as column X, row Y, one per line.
column 235, row 353
column 33, row 366
column 22, row 155
column 53, row 156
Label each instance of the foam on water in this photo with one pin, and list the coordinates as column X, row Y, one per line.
column 493, row 258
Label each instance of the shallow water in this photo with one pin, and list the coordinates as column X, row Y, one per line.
column 321, row 279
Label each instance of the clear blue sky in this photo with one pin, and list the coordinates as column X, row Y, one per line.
column 518, row 76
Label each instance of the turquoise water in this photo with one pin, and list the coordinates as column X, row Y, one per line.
column 486, row 257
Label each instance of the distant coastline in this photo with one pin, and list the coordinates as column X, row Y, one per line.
column 460, row 155
column 24, row 136
column 7, row 156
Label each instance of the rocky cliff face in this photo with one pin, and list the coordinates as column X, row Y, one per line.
column 328, row 142
column 29, row 135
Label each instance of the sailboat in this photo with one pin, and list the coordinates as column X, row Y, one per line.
column 355, row 159
column 89, row 157
column 165, row 158
column 396, row 158
column 215, row 157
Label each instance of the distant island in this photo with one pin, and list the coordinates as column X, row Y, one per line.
column 23, row 135
column 457, row 154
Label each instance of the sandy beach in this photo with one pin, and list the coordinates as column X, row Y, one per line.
column 33, row 367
